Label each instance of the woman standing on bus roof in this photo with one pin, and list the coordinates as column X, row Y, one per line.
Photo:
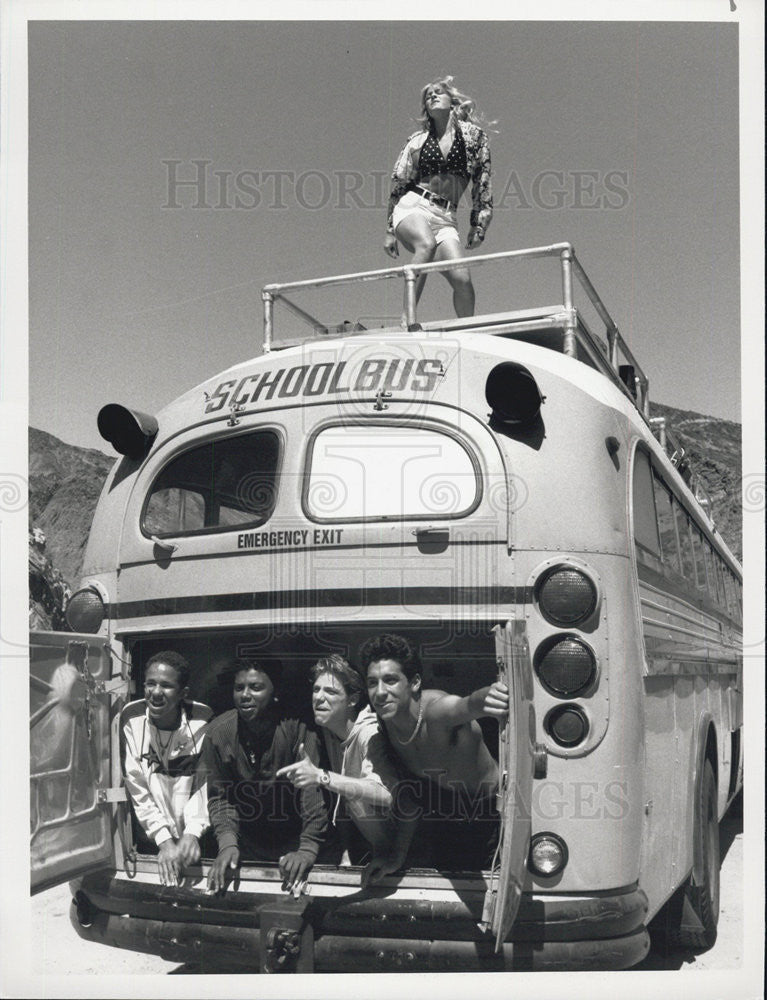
column 429, row 178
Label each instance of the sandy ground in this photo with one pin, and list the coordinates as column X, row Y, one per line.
column 60, row 949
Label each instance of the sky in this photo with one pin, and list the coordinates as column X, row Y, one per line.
column 619, row 137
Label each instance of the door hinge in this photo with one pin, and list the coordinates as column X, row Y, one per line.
column 488, row 908
column 111, row 795
column 77, row 656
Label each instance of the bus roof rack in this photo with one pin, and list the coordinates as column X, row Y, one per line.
column 560, row 327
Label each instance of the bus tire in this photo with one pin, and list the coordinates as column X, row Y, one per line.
column 703, row 898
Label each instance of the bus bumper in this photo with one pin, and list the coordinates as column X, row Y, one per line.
column 370, row 934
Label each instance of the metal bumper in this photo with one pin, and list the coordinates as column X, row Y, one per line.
column 369, row 933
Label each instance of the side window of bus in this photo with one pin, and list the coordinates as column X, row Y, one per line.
column 711, row 559
column 667, row 526
column 726, row 598
column 700, row 566
column 735, row 596
column 355, row 473
column 721, row 573
column 729, row 592
column 685, row 544
column 718, row 573
column 216, row 485
column 646, row 540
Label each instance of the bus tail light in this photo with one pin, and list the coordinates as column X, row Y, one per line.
column 86, row 611
column 567, row 725
column 565, row 665
column 548, row 854
column 566, row 596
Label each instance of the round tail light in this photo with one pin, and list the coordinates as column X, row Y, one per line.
column 566, row 596
column 567, row 725
column 85, row 611
column 565, row 666
column 548, row 854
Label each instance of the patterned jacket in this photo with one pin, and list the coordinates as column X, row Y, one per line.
column 405, row 173
column 160, row 776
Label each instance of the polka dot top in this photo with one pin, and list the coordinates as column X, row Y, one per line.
column 431, row 160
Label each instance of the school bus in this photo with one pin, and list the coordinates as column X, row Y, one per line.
column 494, row 489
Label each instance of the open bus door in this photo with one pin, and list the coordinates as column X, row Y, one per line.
column 70, row 756
column 516, row 765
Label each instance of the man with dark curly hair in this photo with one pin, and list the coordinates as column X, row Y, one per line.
column 437, row 738
column 256, row 814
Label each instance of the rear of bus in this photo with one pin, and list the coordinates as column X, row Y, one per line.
column 302, row 502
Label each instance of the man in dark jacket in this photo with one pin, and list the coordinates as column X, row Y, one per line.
column 256, row 815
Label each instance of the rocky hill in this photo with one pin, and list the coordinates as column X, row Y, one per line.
column 64, row 486
column 65, row 482
column 715, row 452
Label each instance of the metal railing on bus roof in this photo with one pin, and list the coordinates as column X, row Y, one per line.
column 629, row 375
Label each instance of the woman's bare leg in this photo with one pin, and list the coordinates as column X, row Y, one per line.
column 415, row 234
column 460, row 278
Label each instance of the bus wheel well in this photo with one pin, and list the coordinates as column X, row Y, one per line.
column 689, row 919
column 711, row 750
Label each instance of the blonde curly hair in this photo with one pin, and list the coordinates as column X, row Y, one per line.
column 462, row 106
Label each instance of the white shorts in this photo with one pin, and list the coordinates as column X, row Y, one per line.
column 442, row 221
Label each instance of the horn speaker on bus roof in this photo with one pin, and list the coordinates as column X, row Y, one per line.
column 129, row 432
column 513, row 393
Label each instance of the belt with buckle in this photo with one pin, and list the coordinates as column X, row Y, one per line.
column 435, row 199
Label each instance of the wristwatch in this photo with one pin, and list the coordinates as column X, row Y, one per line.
column 324, row 778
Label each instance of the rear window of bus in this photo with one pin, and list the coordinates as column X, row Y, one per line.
column 359, row 473
column 222, row 484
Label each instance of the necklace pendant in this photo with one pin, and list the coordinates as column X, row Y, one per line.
column 404, row 743
column 164, row 746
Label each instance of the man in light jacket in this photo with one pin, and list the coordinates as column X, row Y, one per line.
column 362, row 772
column 161, row 739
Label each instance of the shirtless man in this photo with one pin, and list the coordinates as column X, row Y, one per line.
column 436, row 737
